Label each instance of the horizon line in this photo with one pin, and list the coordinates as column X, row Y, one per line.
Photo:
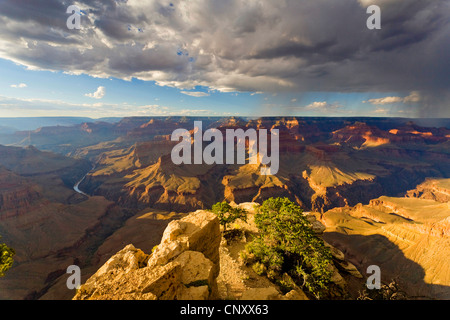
column 224, row 116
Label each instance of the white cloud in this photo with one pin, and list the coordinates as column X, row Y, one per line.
column 195, row 94
column 381, row 110
column 193, row 112
column 100, row 93
column 412, row 98
column 18, row 86
column 386, row 100
column 316, row 105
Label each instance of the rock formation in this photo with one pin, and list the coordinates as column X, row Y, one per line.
column 184, row 266
column 432, row 189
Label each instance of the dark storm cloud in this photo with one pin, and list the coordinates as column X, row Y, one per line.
column 254, row 45
column 43, row 12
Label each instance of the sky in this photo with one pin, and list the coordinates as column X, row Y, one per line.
column 225, row 58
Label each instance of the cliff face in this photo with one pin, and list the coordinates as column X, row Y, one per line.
column 360, row 134
column 17, row 195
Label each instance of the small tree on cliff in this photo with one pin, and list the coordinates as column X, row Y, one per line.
column 6, row 258
column 227, row 214
column 288, row 245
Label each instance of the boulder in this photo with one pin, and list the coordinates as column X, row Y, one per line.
column 166, row 252
column 127, row 259
column 335, row 252
column 250, row 207
column 197, row 269
column 199, row 231
column 316, row 225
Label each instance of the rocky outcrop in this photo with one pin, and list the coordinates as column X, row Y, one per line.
column 194, row 262
column 432, row 189
column 199, row 231
column 184, row 266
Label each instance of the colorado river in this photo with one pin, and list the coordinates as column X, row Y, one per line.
column 76, row 187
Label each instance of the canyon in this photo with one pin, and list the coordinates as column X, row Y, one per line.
column 373, row 182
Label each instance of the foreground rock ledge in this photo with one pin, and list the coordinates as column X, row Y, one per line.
column 184, row 266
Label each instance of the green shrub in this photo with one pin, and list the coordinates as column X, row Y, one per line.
column 246, row 257
column 227, row 214
column 287, row 244
column 6, row 258
column 259, row 268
